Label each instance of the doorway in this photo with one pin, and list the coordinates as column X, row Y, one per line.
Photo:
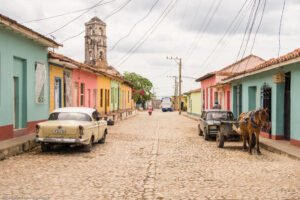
column 106, row 101
column 19, row 94
column 57, row 92
column 76, row 94
column 287, row 106
column 266, row 99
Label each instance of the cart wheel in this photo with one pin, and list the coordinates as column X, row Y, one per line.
column 220, row 140
column 206, row 136
column 199, row 131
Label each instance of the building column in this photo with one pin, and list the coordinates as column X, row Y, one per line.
column 278, row 111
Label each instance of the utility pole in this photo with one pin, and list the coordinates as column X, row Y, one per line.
column 179, row 62
column 175, row 91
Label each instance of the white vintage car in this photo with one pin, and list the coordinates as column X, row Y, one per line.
column 72, row 125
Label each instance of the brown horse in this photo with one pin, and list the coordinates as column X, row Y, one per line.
column 249, row 123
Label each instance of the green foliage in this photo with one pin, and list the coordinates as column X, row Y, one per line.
column 140, row 84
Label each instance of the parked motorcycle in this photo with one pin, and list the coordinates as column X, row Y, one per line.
column 150, row 111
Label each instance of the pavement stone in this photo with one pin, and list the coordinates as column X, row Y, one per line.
column 151, row 157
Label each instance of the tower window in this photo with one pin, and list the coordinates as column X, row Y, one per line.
column 91, row 56
column 101, row 55
column 100, row 31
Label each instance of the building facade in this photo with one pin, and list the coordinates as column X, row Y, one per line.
column 214, row 89
column 24, row 78
column 273, row 85
column 194, row 102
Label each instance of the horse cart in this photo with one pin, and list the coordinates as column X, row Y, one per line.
column 226, row 133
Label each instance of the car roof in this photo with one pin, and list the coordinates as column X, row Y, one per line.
column 84, row 110
column 217, row 110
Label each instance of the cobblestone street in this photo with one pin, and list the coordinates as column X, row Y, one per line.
column 156, row 157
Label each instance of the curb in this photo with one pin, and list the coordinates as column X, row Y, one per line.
column 264, row 145
column 18, row 148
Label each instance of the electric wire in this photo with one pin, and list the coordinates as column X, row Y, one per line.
column 64, row 14
column 147, row 34
column 279, row 32
column 75, row 18
column 132, row 28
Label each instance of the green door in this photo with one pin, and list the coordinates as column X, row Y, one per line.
column 19, row 94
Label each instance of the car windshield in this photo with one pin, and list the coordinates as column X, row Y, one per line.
column 69, row 116
column 219, row 116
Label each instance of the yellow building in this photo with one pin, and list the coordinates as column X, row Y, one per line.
column 126, row 95
column 103, row 105
column 60, row 86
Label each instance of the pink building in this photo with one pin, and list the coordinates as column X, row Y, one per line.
column 212, row 87
column 85, row 88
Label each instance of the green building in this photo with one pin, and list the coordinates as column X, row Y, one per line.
column 24, row 78
column 194, row 105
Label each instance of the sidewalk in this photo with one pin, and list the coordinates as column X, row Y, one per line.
column 276, row 146
column 16, row 145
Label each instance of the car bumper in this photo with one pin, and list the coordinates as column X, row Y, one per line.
column 61, row 140
column 213, row 132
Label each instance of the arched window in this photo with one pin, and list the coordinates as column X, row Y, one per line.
column 100, row 31
column 91, row 56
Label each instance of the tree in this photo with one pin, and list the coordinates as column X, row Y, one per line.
column 142, row 87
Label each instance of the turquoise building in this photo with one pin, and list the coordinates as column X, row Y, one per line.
column 275, row 85
column 24, row 78
column 115, row 95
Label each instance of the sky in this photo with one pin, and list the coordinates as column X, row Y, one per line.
column 206, row 35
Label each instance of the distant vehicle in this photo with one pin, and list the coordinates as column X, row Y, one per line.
column 166, row 104
column 80, row 126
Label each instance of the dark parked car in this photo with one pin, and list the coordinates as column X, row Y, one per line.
column 210, row 121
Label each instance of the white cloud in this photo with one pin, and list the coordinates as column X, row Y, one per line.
column 174, row 36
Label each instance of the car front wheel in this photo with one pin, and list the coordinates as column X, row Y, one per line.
column 206, row 136
column 102, row 140
column 200, row 132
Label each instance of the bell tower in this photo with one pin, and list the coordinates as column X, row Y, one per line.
column 95, row 43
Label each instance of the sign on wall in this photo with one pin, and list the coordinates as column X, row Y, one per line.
column 40, row 83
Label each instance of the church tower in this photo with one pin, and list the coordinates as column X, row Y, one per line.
column 95, row 43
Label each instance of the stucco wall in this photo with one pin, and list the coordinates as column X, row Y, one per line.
column 277, row 96
column 205, row 84
column 90, row 83
column 104, row 84
column 196, row 103
column 14, row 45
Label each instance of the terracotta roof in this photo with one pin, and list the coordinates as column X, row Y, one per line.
column 289, row 56
column 240, row 61
column 14, row 25
column 208, row 75
column 223, row 72
column 88, row 67
column 193, row 91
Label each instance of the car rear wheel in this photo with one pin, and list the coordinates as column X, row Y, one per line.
column 45, row 147
column 102, row 140
column 220, row 140
column 88, row 148
column 206, row 136
column 200, row 132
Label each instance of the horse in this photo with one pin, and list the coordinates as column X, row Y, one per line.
column 250, row 123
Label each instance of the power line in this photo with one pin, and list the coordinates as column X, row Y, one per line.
column 132, row 28
column 69, row 22
column 202, row 31
column 64, row 14
column 108, row 16
column 147, row 34
column 279, row 33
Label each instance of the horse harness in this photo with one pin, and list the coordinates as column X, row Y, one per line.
column 250, row 115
